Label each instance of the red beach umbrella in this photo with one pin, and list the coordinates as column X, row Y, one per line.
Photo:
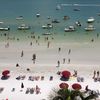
column 66, row 74
column 5, row 72
column 63, row 85
column 76, row 86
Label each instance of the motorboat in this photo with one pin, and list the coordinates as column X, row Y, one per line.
column 46, row 34
column 78, row 23
column 48, row 26
column 19, row 18
column 55, row 21
column 90, row 28
column 23, row 27
column 4, row 28
column 66, row 17
column 69, row 29
column 58, row 7
column 90, row 20
column 1, row 22
column 37, row 15
column 76, row 9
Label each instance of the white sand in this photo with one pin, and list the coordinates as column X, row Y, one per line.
column 84, row 57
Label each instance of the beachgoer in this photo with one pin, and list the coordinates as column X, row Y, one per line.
column 58, row 63
column 48, row 44
column 34, row 58
column 22, row 85
column 97, row 74
column 22, row 53
column 17, row 65
column 64, row 60
column 94, row 74
column 68, row 60
column 59, row 49
column 69, row 51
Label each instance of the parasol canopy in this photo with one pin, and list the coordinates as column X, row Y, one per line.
column 76, row 86
column 63, row 85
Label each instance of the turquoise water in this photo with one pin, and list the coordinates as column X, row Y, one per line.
column 9, row 10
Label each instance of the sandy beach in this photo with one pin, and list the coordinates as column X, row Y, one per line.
column 84, row 57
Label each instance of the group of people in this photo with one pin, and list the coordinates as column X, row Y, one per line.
column 35, row 90
column 64, row 59
column 96, row 76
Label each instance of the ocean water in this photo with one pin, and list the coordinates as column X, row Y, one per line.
column 10, row 9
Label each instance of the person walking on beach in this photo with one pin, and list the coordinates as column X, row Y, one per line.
column 94, row 74
column 69, row 51
column 97, row 74
column 22, row 53
column 69, row 61
column 34, row 58
column 64, row 60
column 48, row 44
column 59, row 49
column 58, row 63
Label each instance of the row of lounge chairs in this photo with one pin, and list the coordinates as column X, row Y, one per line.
column 33, row 78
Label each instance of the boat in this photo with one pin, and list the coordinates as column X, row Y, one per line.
column 90, row 28
column 48, row 26
column 23, row 27
column 37, row 15
column 69, row 29
column 76, row 9
column 55, row 21
column 78, row 23
column 46, row 34
column 1, row 22
column 66, row 17
column 90, row 20
column 4, row 28
column 19, row 18
column 58, row 7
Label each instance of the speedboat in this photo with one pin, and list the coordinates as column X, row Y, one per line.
column 58, row 7
column 19, row 18
column 37, row 15
column 90, row 28
column 46, row 34
column 23, row 27
column 55, row 21
column 90, row 20
column 69, row 29
column 4, row 28
column 78, row 23
column 48, row 26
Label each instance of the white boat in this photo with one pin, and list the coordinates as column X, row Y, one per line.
column 46, row 34
column 4, row 28
column 78, row 23
column 58, row 7
column 69, row 29
column 37, row 15
column 90, row 28
column 90, row 20
column 19, row 18
column 48, row 26
column 23, row 27
column 1, row 22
